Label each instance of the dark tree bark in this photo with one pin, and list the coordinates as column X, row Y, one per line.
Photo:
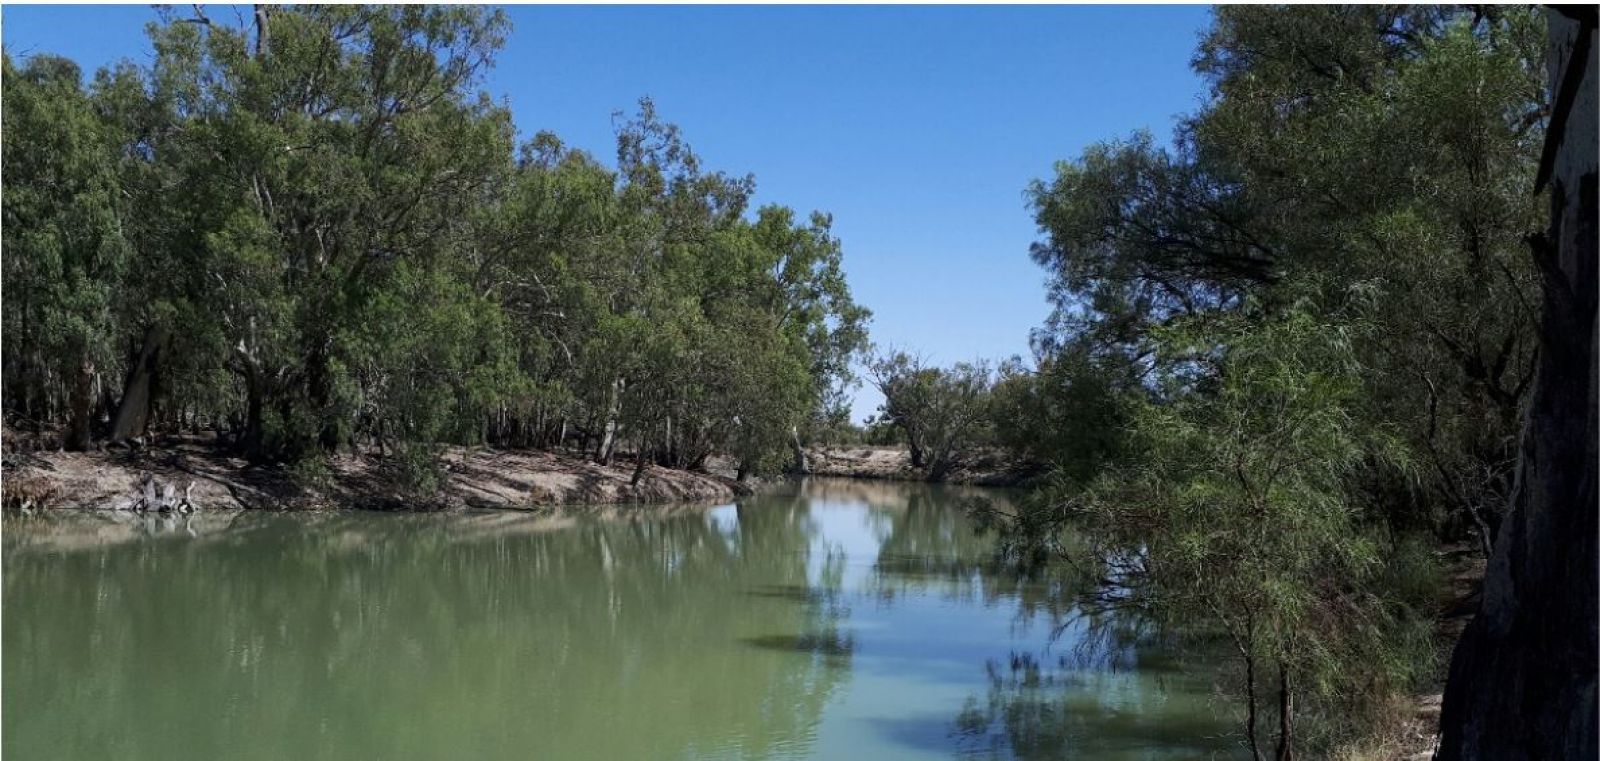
column 78, row 438
column 640, row 461
column 1250, row 704
column 1523, row 677
column 1285, row 714
column 133, row 413
column 251, row 440
column 319, row 392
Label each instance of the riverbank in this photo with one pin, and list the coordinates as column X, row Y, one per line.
column 981, row 468
column 188, row 475
column 1412, row 734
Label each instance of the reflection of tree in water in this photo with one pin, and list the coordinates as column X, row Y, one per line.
column 436, row 636
column 1104, row 688
column 932, row 546
column 1136, row 706
column 622, row 634
column 821, row 637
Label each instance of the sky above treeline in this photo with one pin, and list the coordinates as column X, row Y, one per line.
column 918, row 128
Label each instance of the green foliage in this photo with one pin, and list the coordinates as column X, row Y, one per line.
column 941, row 412
column 1294, row 338
column 341, row 245
column 311, row 473
column 1389, row 147
column 1068, row 413
column 66, row 249
column 1233, row 516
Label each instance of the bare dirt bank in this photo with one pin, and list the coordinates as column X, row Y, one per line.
column 189, row 476
column 984, row 468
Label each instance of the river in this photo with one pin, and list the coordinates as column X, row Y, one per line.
column 835, row 620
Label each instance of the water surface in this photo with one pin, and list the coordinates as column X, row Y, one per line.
column 838, row 620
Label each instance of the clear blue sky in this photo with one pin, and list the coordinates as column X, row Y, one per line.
column 917, row 127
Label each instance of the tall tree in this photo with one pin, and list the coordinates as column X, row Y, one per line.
column 65, row 244
column 319, row 175
column 1393, row 147
column 1379, row 162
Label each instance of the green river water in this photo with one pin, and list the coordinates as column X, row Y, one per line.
column 837, row 620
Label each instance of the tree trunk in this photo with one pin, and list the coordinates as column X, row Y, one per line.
column 105, row 400
column 1250, row 705
column 668, row 451
column 940, row 465
column 319, row 390
column 133, row 413
column 639, row 464
column 251, row 443
column 262, row 12
column 82, row 405
column 1285, row 714
column 802, row 466
column 608, row 435
column 1523, row 677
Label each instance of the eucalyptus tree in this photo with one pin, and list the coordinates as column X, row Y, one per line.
column 669, row 212
column 802, row 288
column 324, row 165
column 66, row 244
column 312, row 232
column 541, row 254
column 662, row 315
column 906, row 383
column 943, row 412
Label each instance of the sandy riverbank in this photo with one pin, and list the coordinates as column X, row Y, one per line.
column 984, row 468
column 195, row 475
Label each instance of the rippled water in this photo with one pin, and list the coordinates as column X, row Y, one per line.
column 838, row 620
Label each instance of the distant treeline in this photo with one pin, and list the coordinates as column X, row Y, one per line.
column 314, row 233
